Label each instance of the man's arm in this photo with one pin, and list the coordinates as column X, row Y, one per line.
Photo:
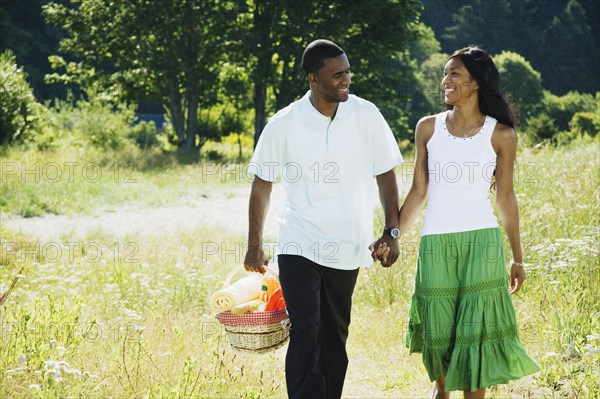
column 388, row 195
column 255, row 259
column 416, row 197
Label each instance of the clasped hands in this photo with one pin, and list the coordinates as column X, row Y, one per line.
column 385, row 250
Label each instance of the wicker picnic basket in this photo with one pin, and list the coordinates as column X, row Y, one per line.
column 255, row 332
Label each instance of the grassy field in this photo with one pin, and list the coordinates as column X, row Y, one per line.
column 101, row 316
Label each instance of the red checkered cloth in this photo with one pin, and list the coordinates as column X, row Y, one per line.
column 250, row 319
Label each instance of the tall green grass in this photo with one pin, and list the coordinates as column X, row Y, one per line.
column 91, row 181
column 132, row 320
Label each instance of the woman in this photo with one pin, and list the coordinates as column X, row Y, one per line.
column 462, row 318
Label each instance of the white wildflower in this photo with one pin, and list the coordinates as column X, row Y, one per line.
column 13, row 371
column 72, row 372
column 590, row 350
column 90, row 376
column 551, row 354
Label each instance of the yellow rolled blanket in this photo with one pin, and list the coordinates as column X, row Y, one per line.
column 243, row 290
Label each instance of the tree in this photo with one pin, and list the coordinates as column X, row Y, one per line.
column 24, row 31
column 556, row 36
column 432, row 70
column 162, row 49
column 571, row 56
column 521, row 81
column 236, row 89
column 373, row 33
column 19, row 112
column 166, row 49
column 424, row 45
column 497, row 26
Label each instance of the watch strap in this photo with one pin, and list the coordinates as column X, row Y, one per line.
column 393, row 232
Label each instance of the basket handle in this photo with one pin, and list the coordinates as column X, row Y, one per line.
column 236, row 270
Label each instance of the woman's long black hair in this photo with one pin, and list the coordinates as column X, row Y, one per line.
column 482, row 68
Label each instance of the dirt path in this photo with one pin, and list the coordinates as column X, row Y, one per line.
column 230, row 212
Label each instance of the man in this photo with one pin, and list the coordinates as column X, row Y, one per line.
column 327, row 147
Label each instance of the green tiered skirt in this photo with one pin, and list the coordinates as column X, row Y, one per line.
column 462, row 318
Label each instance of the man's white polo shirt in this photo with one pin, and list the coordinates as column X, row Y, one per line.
column 328, row 173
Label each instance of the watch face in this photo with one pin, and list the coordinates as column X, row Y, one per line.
column 394, row 233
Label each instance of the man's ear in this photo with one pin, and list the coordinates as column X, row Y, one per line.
column 312, row 79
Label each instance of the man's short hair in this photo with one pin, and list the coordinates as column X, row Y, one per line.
column 317, row 52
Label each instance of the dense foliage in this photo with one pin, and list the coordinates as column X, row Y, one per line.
column 561, row 38
column 19, row 112
column 222, row 68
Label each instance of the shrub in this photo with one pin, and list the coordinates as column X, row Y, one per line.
column 144, row 134
column 102, row 125
column 541, row 127
column 563, row 108
column 96, row 122
column 585, row 123
column 19, row 112
column 564, row 138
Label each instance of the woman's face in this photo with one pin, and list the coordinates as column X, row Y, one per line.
column 459, row 85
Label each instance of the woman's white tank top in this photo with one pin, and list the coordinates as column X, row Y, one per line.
column 460, row 175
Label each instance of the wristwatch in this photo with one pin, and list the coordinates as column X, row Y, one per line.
column 392, row 232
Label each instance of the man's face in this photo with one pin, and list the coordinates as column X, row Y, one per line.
column 332, row 82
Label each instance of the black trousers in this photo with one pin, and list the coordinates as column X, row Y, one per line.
column 318, row 300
